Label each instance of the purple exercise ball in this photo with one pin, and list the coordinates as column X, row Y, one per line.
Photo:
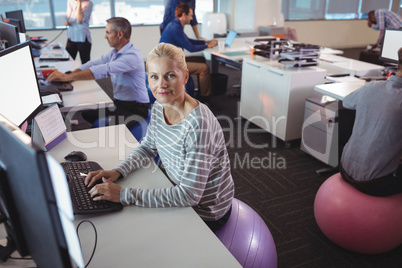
column 248, row 238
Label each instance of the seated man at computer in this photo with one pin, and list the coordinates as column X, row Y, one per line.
column 174, row 34
column 125, row 66
column 371, row 159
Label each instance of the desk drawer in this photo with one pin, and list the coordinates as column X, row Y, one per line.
column 322, row 121
column 327, row 110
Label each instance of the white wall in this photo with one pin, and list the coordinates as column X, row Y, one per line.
column 334, row 34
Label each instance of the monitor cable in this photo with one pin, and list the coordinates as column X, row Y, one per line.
column 96, row 239
column 48, row 43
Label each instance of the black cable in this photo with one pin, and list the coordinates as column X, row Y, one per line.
column 96, row 239
column 48, row 43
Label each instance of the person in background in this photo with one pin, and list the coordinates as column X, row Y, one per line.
column 78, row 33
column 174, row 34
column 382, row 19
column 169, row 15
column 189, row 141
column 124, row 64
column 371, row 159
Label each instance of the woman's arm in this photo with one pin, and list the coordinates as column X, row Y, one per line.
column 79, row 14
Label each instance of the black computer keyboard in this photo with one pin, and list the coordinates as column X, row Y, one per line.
column 81, row 199
column 62, row 86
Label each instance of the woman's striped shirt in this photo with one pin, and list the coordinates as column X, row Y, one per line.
column 194, row 154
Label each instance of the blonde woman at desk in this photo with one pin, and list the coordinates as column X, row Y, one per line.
column 189, row 141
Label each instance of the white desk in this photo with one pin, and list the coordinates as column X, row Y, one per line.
column 240, row 45
column 140, row 237
column 339, row 90
column 54, row 51
column 335, row 64
column 243, row 44
column 86, row 94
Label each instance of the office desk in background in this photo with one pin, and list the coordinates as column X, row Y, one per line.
column 86, row 94
column 339, row 90
column 241, row 49
column 234, row 54
column 135, row 236
column 335, row 64
column 54, row 51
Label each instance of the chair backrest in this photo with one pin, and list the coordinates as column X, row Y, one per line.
column 139, row 130
column 151, row 96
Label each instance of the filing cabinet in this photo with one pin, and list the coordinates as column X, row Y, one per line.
column 320, row 129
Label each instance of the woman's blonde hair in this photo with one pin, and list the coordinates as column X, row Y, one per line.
column 170, row 51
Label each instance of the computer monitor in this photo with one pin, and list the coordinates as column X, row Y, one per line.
column 16, row 23
column 9, row 33
column 230, row 38
column 20, row 98
column 390, row 45
column 35, row 203
column 18, row 15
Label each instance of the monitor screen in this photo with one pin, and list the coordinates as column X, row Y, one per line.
column 16, row 23
column 390, row 45
column 230, row 37
column 35, row 202
column 20, row 98
column 9, row 33
column 18, row 15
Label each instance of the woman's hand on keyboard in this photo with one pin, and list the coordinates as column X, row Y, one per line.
column 106, row 191
column 110, row 175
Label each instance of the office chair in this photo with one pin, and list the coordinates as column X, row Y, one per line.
column 190, row 87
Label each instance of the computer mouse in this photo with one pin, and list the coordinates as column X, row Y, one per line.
column 76, row 156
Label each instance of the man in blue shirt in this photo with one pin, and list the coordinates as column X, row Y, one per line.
column 174, row 34
column 125, row 66
column 169, row 15
column 382, row 19
column 371, row 159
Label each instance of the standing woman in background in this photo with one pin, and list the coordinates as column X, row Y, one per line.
column 78, row 34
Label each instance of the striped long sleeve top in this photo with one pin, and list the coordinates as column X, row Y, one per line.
column 194, row 155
